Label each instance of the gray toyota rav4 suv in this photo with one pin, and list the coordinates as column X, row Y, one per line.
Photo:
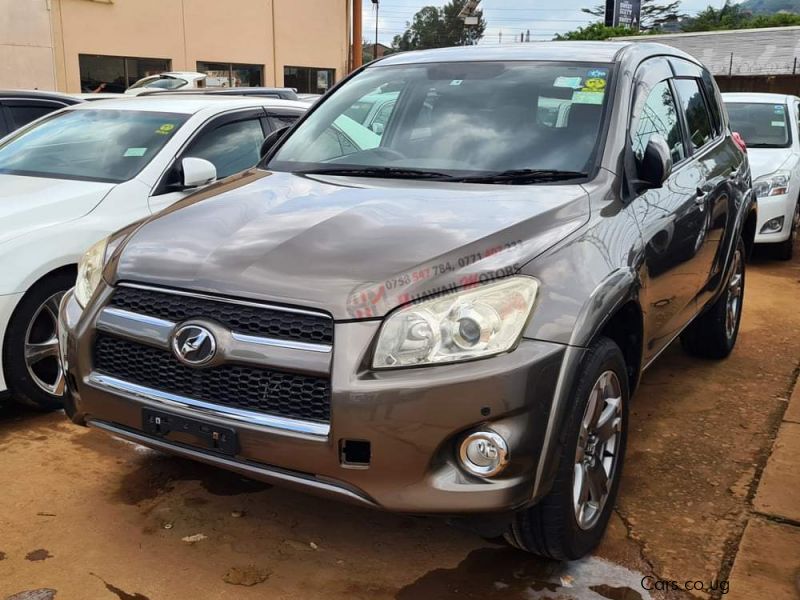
column 445, row 314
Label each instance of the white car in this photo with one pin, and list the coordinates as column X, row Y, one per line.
column 173, row 80
column 768, row 123
column 75, row 176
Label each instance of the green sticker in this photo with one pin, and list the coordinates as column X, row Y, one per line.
column 135, row 152
column 587, row 97
column 778, row 123
column 165, row 129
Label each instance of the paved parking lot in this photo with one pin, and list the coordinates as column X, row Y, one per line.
column 93, row 517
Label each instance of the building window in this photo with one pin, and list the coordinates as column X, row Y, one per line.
column 117, row 73
column 232, row 74
column 308, row 80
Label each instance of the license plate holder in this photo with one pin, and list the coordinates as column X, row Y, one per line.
column 190, row 431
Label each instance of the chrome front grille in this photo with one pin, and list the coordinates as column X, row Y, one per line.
column 272, row 365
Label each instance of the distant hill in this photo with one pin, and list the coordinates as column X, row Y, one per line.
column 769, row 7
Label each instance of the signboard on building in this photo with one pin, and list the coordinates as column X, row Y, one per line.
column 627, row 13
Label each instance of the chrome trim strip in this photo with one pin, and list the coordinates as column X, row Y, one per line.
column 298, row 311
column 135, row 326
column 114, row 385
column 267, row 341
column 256, row 471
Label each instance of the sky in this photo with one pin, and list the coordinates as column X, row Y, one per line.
column 544, row 18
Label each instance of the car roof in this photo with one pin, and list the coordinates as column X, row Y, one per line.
column 38, row 94
column 592, row 52
column 757, row 97
column 190, row 104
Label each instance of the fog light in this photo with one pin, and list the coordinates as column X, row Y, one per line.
column 484, row 453
column 773, row 225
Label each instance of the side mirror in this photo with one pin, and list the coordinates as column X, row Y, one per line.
column 377, row 128
column 197, row 172
column 655, row 165
column 272, row 139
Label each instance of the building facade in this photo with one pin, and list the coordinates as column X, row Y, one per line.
column 106, row 45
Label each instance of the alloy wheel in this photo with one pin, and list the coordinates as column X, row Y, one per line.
column 734, row 298
column 41, row 347
column 597, row 452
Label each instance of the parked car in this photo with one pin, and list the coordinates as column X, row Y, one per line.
column 449, row 319
column 264, row 92
column 169, row 81
column 93, row 96
column 69, row 180
column 20, row 107
column 768, row 123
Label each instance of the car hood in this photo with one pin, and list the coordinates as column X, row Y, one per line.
column 353, row 247
column 30, row 203
column 764, row 161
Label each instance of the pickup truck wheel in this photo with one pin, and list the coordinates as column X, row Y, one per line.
column 713, row 334
column 30, row 352
column 786, row 249
column 570, row 521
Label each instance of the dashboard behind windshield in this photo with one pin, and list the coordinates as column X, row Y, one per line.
column 456, row 119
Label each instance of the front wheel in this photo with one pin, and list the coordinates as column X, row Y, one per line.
column 30, row 353
column 570, row 521
column 713, row 334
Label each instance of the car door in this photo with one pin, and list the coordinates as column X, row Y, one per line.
column 231, row 142
column 714, row 163
column 20, row 112
column 670, row 216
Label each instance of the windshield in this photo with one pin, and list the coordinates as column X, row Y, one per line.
column 456, row 120
column 164, row 82
column 94, row 145
column 760, row 125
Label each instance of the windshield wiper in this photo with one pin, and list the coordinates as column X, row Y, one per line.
column 388, row 172
column 521, row 176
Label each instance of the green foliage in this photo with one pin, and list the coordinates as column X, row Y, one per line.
column 770, row 7
column 653, row 14
column 434, row 27
column 595, row 31
column 732, row 16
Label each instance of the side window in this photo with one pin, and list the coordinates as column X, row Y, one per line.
column 694, row 107
column 22, row 114
column 659, row 115
column 232, row 147
column 714, row 101
column 278, row 121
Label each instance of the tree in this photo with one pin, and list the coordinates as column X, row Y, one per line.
column 434, row 27
column 731, row 16
column 595, row 31
column 653, row 14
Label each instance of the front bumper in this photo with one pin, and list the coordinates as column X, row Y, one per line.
column 769, row 208
column 413, row 419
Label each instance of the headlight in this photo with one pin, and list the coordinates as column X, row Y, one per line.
column 90, row 271
column 469, row 324
column 774, row 184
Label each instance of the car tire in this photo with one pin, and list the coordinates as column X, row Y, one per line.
column 786, row 249
column 30, row 350
column 556, row 527
column 713, row 333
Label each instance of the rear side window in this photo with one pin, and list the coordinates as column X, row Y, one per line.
column 714, row 101
column 659, row 116
column 22, row 114
column 698, row 121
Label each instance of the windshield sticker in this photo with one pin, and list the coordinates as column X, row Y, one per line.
column 597, row 74
column 165, row 129
column 582, row 97
column 568, row 82
column 778, row 108
column 594, row 84
column 778, row 123
column 456, row 82
column 135, row 152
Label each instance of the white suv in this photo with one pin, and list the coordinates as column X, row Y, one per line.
column 72, row 177
column 768, row 123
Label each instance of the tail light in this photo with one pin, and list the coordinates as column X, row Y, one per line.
column 739, row 141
